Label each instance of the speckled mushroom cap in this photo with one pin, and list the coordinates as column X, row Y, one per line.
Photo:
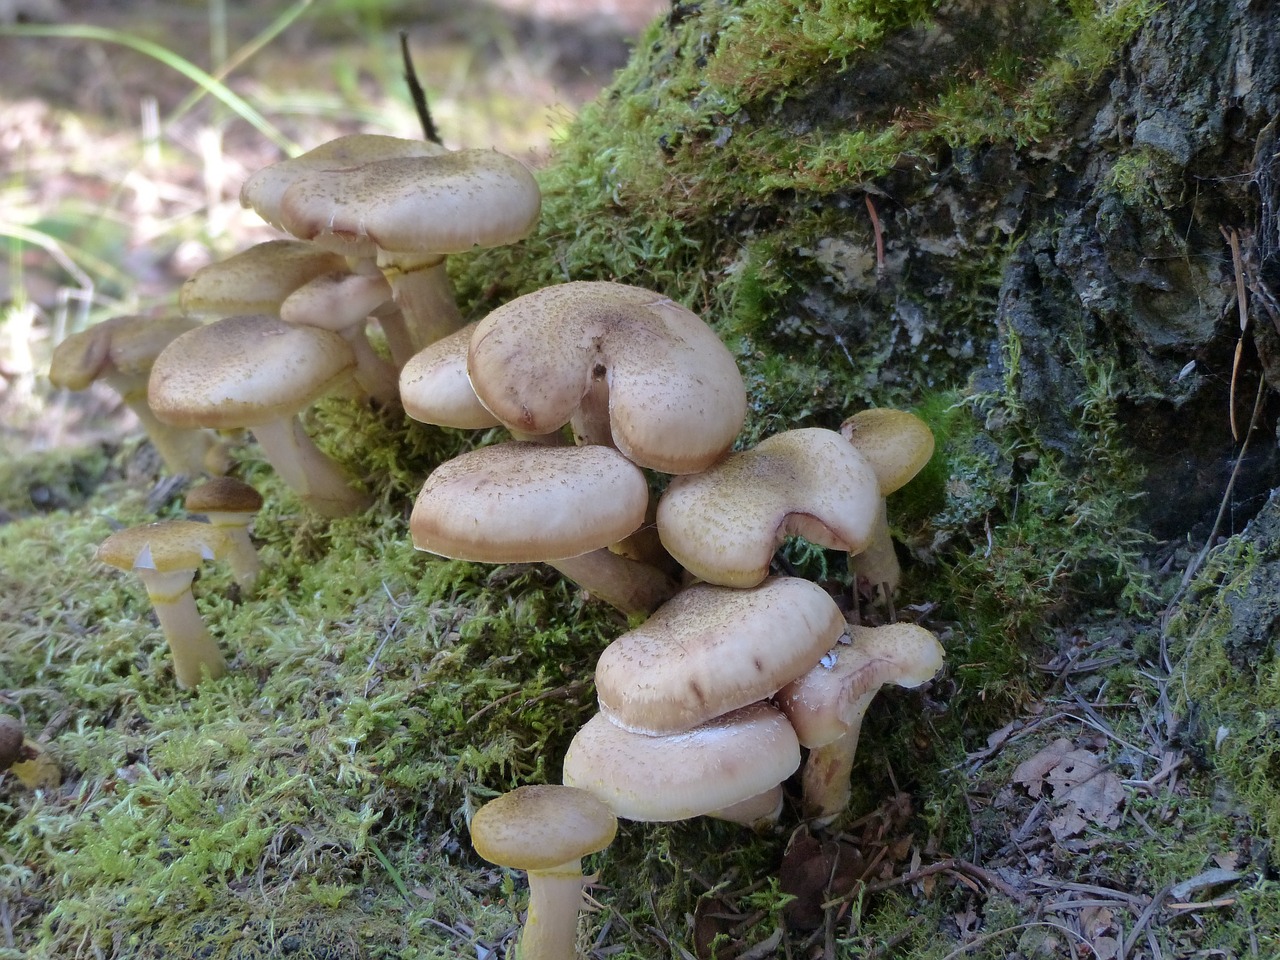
column 445, row 203
column 710, row 650
column 223, row 495
column 434, row 386
column 824, row 702
column 264, row 190
column 128, row 344
column 723, row 525
column 523, row 503
column 163, row 547
column 11, row 740
column 897, row 444
column 256, row 280
column 245, row 371
column 676, row 400
column 541, row 826
column 336, row 300
column 716, row 765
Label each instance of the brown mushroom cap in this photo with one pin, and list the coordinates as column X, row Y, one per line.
column 449, row 202
column 11, row 740
column 710, row 650
column 675, row 398
column 724, row 524
column 897, row 444
column 256, row 280
column 264, row 190
column 541, row 826
column 523, row 502
column 434, row 386
column 716, row 765
column 163, row 547
column 223, row 495
column 245, row 371
column 128, row 344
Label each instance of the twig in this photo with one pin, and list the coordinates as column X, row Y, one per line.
column 565, row 689
column 1143, row 922
column 954, row 864
column 429, row 131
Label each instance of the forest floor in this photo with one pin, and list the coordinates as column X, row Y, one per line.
column 1094, row 830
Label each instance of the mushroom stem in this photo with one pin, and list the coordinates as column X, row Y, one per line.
column 590, row 422
column 877, row 563
column 183, row 450
column 551, row 925
column 195, row 652
column 242, row 555
column 317, row 480
column 425, row 296
column 375, row 376
column 631, row 586
column 826, row 779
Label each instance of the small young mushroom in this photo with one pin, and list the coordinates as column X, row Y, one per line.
column 625, row 366
column 897, row 444
column 724, row 524
column 230, row 505
column 728, row 767
column 709, row 650
column 165, row 556
column 523, row 502
column 260, row 373
column 545, row 830
column 120, row 352
column 24, row 758
column 827, row 704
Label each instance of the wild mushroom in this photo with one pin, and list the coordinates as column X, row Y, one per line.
column 434, row 387
column 230, row 505
column 626, row 367
column 827, row 704
column 729, row 767
column 165, row 556
column 255, row 280
column 897, row 444
column 724, row 524
column 26, row 759
column 260, row 373
column 545, row 830
column 710, row 650
column 406, row 202
column 120, row 352
column 522, row 502
column 342, row 301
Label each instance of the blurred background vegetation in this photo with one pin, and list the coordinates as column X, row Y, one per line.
column 127, row 127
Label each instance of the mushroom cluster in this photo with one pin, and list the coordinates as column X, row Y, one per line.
column 611, row 391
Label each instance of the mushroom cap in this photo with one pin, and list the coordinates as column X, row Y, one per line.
column 336, row 300
column 256, row 280
column 897, row 444
column 128, row 344
column 443, row 203
column 245, row 371
column 824, row 702
column 683, row 775
column 163, row 547
column 264, row 190
column 541, row 826
column 710, row 650
column 676, row 398
column 223, row 495
column 523, row 503
column 11, row 740
column 434, row 386
column 724, row 524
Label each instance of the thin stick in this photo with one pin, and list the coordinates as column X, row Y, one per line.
column 429, row 131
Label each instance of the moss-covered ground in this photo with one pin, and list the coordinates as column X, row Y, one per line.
column 313, row 803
